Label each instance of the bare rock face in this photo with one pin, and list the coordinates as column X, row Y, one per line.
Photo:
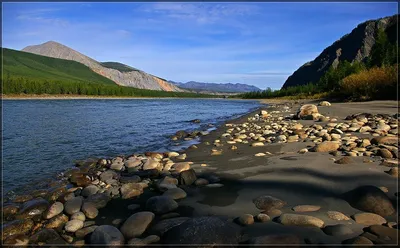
column 355, row 46
column 134, row 78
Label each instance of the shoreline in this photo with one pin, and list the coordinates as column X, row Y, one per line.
column 247, row 176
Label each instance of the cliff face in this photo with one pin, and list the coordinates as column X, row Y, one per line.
column 136, row 79
column 355, row 46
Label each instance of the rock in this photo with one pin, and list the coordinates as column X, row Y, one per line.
column 133, row 207
column 369, row 219
column 358, row 241
column 90, row 210
column 150, row 164
column 161, row 204
column 344, row 160
column 384, row 232
column 55, row 193
column 107, row 235
column 55, row 209
column 22, row 198
column 167, row 183
column 78, row 216
column 19, row 240
column 32, row 208
column 74, row 205
column 182, row 166
column 57, row 222
column 325, row 103
column 46, row 236
column 187, row 177
column 326, row 146
column 132, row 179
column 335, row 215
column 203, row 230
column 107, row 175
column 384, row 153
column 176, row 193
column 214, row 185
column 9, row 210
column 262, row 217
column 370, row 199
column 394, row 171
column 132, row 163
column 73, row 225
column 300, row 220
column 387, row 140
column 16, row 227
column 89, row 190
column 130, row 190
column 81, row 233
column 306, row 110
column 136, row 224
column 246, row 219
column 281, row 239
column 267, row 202
column 306, row 208
column 201, row 182
column 337, row 230
column 257, row 144
column 169, row 216
column 164, row 225
column 99, row 200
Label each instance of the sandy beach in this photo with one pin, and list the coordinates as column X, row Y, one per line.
column 228, row 184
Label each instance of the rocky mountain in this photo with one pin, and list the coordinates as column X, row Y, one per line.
column 134, row 78
column 355, row 46
column 215, row 87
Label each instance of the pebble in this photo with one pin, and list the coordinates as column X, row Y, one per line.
column 161, row 204
column 267, row 202
column 90, row 210
column 262, row 217
column 73, row 225
column 337, row 230
column 55, row 209
column 306, row 208
column 137, row 224
column 246, row 219
column 107, row 235
column 300, row 220
column 369, row 219
column 78, row 216
column 74, row 205
column 335, row 215
column 176, row 193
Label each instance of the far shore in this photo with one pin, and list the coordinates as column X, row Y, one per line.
column 72, row 97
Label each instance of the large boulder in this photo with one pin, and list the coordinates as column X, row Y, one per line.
column 370, row 199
column 107, row 235
column 307, row 110
column 16, row 227
column 32, row 208
column 200, row 231
column 164, row 225
column 136, row 224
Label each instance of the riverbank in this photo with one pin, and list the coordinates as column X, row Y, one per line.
column 75, row 97
column 261, row 164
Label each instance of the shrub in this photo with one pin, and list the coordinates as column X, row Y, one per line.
column 375, row 83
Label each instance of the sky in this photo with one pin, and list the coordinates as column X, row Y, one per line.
column 254, row 43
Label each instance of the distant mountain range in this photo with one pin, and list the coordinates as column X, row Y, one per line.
column 217, row 87
column 355, row 46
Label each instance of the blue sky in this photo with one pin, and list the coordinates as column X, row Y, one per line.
column 254, row 43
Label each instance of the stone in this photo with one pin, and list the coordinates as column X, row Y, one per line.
column 307, row 110
column 369, row 219
column 90, row 210
column 370, row 199
column 187, row 177
column 99, row 200
column 326, row 146
column 32, row 208
column 16, row 227
column 245, row 219
column 130, row 190
column 137, row 224
column 78, row 216
column 176, row 193
column 169, row 215
column 133, row 207
column 394, row 172
column 267, row 202
column 22, row 198
column 384, row 153
column 335, row 215
column 131, row 179
column 384, row 232
column 81, row 233
column 204, row 230
column 74, row 205
column 107, row 235
column 107, row 175
column 46, row 236
column 201, row 182
column 163, row 226
column 325, row 103
column 262, row 218
column 55, row 193
column 57, row 222
column 9, row 210
column 179, row 167
column 277, row 239
column 358, row 241
column 89, row 190
column 257, row 144
column 306, row 208
column 73, row 225
column 167, row 183
column 387, row 140
column 344, row 160
column 19, row 240
column 150, row 164
column 132, row 163
column 55, row 209
column 337, row 230
column 300, row 220
column 161, row 204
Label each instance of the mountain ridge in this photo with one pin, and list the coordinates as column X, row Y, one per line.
column 217, row 87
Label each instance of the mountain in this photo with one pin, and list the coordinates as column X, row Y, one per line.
column 134, row 78
column 214, row 87
column 32, row 66
column 355, row 46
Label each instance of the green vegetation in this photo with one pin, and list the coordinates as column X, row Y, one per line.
column 26, row 73
column 118, row 66
column 374, row 79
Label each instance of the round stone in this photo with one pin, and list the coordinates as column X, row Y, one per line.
column 73, row 225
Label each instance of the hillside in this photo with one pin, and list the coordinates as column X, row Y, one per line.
column 353, row 47
column 118, row 66
column 215, row 87
column 136, row 79
column 32, row 66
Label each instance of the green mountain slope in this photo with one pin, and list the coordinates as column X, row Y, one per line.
column 32, row 66
column 118, row 66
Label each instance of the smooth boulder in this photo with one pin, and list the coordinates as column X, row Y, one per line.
column 300, row 220
column 136, row 224
column 161, row 204
column 107, row 235
column 267, row 202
